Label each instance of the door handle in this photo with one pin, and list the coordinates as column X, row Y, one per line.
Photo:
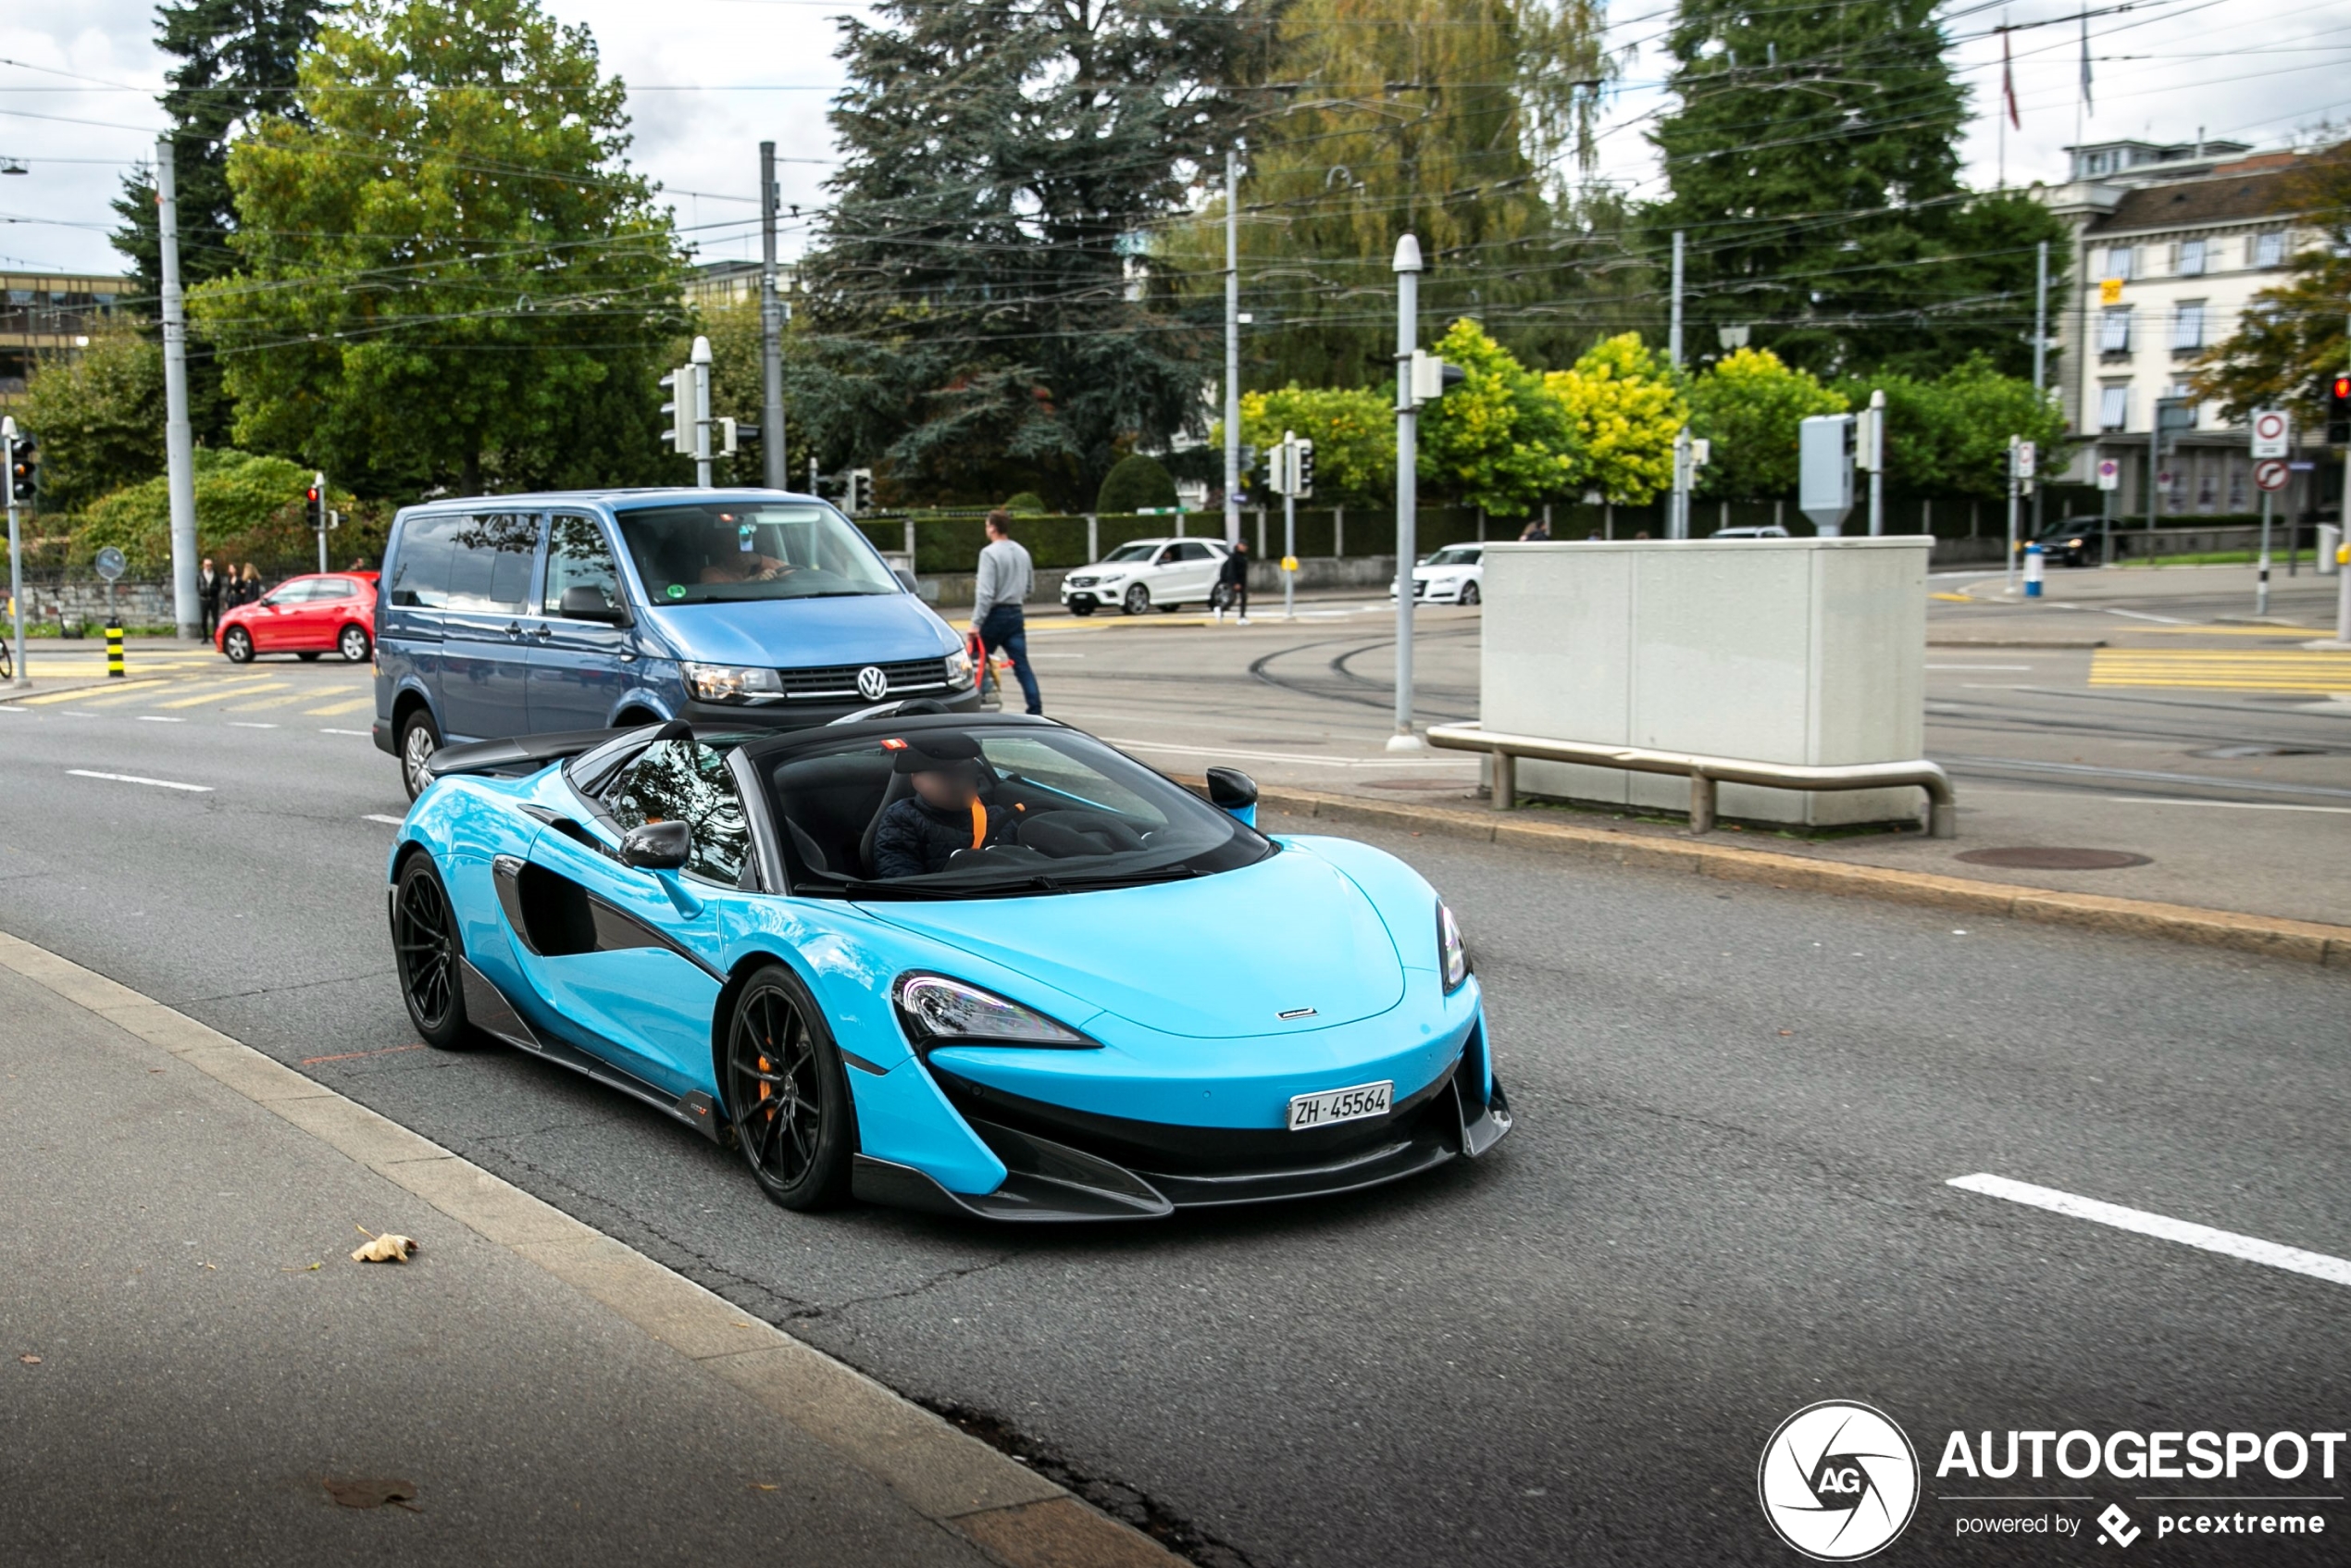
column 543, row 630
column 514, row 628
column 627, row 655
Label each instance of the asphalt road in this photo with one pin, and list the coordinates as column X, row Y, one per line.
column 1725, row 1199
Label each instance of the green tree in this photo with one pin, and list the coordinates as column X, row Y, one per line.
column 1134, row 483
column 1749, row 406
column 450, row 276
column 1624, row 407
column 1449, row 119
column 247, row 507
column 1353, row 433
column 1950, row 436
column 99, row 417
column 1813, row 165
column 1498, row 439
column 976, row 285
column 2289, row 343
column 238, row 60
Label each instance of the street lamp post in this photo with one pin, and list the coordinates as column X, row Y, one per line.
column 1407, row 342
column 16, row 550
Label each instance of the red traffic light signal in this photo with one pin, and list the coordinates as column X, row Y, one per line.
column 311, row 495
column 2343, row 387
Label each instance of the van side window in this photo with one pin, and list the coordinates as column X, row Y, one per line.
column 578, row 557
column 420, row 563
column 489, row 563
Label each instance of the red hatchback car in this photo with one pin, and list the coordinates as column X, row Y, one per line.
column 309, row 616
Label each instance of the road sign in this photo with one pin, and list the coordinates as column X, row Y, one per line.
column 2270, row 429
column 2023, row 451
column 2110, row 474
column 110, row 564
column 2271, row 473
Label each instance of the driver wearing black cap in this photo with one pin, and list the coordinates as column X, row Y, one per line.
column 917, row 835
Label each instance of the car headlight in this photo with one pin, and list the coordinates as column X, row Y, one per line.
column 1451, row 956
column 732, row 683
column 937, row 1011
column 959, row 667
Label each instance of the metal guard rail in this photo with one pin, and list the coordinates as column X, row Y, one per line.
column 1704, row 773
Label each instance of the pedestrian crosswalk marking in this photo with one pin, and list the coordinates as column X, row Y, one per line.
column 221, row 691
column 335, row 710
column 2225, row 669
column 82, row 692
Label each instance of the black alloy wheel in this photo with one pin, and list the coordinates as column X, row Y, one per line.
column 786, row 1093
column 354, row 645
column 238, row 645
column 419, row 741
column 1137, row 600
column 426, row 950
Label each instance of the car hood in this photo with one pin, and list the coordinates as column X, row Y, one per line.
column 1217, row 957
column 867, row 628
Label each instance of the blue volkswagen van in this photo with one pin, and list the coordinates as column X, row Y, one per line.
column 521, row 614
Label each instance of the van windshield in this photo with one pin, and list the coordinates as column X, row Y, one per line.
column 726, row 552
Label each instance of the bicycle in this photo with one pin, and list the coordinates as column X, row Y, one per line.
column 8, row 661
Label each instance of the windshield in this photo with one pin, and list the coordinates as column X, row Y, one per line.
column 723, row 551
column 1142, row 552
column 1022, row 812
column 1453, row 555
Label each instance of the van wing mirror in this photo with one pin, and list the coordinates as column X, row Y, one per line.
column 586, row 602
column 656, row 846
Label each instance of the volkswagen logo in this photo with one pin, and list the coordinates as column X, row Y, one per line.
column 1838, row 1481
column 872, row 683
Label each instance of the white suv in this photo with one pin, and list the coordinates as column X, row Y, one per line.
column 1144, row 572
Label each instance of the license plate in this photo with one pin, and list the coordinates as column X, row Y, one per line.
column 1339, row 1106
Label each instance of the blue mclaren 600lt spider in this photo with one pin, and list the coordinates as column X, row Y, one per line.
column 978, row 964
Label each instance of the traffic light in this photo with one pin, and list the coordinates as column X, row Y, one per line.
column 316, row 498
column 1303, row 477
column 861, row 492
column 24, row 468
column 1431, row 377
column 2339, row 411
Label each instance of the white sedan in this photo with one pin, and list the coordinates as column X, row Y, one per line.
column 1451, row 575
column 1147, row 572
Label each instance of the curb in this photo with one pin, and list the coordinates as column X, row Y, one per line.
column 2307, row 941
column 947, row 1476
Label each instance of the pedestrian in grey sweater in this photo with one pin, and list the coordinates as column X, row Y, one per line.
column 1006, row 575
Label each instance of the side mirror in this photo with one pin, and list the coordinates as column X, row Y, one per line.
column 1234, row 793
column 586, row 602
column 656, row 846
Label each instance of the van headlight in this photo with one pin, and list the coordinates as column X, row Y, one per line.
column 732, row 683
column 959, row 667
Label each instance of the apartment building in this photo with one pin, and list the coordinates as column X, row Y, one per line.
column 50, row 315
column 2171, row 242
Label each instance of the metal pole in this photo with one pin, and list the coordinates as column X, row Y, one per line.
column 1232, row 347
column 2040, row 362
column 2261, row 578
column 16, row 548
column 773, row 462
column 179, row 444
column 319, row 479
column 1677, row 503
column 700, row 366
column 1408, row 338
column 1673, row 329
column 1289, row 547
column 2013, row 443
column 1877, row 460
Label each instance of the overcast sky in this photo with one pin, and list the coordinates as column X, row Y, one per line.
column 710, row 79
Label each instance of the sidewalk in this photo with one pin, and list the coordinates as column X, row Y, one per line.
column 191, row 1360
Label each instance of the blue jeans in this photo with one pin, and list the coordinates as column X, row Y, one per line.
column 1004, row 628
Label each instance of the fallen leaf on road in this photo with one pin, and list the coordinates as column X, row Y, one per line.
column 385, row 1249
column 374, row 1494
column 762, row 1485
column 29, row 1361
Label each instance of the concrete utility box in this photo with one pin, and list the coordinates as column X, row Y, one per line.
column 1803, row 651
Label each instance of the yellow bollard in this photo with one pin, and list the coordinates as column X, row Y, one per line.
column 114, row 652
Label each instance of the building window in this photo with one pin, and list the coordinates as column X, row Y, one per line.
column 2188, row 325
column 2269, row 250
column 2192, row 258
column 2114, row 330
column 2119, row 259
column 2237, row 488
column 2114, row 406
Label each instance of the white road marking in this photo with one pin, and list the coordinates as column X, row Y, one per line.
column 249, row 724
column 134, row 779
column 2019, row 668
column 387, row 821
column 2231, row 805
column 159, row 718
column 2142, row 616
column 361, row 733
column 12, row 708
column 2251, row 1249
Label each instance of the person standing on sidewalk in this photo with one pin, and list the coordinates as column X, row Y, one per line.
column 209, row 586
column 1006, row 578
column 1232, row 578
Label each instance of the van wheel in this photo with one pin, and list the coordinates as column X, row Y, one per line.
column 418, row 740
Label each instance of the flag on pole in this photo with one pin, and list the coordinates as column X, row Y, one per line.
column 2008, row 80
column 2087, row 101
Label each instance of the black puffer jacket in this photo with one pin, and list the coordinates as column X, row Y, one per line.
column 913, row 839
